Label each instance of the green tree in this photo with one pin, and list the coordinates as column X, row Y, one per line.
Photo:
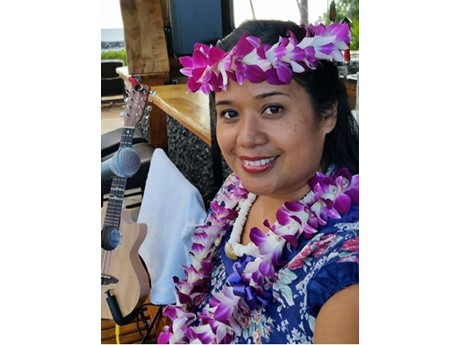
column 345, row 9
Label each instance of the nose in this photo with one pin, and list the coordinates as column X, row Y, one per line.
column 251, row 131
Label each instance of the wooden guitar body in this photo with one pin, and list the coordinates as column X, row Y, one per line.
column 125, row 265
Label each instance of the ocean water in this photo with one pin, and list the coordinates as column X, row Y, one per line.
column 112, row 35
column 112, row 39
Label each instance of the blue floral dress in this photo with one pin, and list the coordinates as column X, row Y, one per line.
column 317, row 269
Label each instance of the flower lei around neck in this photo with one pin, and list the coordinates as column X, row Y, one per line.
column 210, row 68
column 249, row 286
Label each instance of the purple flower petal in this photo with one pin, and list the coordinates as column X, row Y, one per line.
column 292, row 239
column 342, row 203
column 326, row 49
column 215, row 55
column 163, row 337
column 223, row 313
column 254, row 73
column 272, row 77
column 267, row 269
column 257, row 236
column 294, row 206
column 196, row 247
column 283, row 217
column 170, row 311
column 186, row 61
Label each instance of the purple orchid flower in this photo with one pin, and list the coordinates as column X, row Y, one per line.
column 201, row 333
column 200, row 68
column 210, row 68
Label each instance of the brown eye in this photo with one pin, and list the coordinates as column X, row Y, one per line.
column 273, row 109
column 229, row 114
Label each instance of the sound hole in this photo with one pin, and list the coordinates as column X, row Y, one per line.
column 110, row 237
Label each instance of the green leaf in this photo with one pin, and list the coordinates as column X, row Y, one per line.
column 283, row 283
column 354, row 45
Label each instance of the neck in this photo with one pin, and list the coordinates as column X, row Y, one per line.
column 261, row 209
column 265, row 207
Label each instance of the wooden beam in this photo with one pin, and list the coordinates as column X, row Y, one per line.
column 145, row 42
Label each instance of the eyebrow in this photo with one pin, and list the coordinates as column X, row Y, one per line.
column 270, row 94
column 258, row 97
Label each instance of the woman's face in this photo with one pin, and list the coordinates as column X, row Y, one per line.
column 268, row 137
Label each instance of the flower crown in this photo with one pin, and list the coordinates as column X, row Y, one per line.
column 210, row 68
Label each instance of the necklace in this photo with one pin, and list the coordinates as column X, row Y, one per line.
column 249, row 286
column 233, row 248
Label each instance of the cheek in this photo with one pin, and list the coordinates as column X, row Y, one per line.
column 302, row 139
column 293, row 133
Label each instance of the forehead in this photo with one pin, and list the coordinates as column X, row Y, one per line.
column 256, row 91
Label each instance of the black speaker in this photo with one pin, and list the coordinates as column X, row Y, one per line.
column 194, row 21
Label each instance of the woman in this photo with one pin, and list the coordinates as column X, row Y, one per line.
column 277, row 259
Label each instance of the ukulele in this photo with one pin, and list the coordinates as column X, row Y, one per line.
column 124, row 279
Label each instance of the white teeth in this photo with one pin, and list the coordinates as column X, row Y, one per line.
column 259, row 162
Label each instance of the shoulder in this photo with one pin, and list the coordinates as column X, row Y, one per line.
column 329, row 260
column 338, row 319
column 336, row 266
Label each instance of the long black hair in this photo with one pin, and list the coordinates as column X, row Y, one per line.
column 326, row 90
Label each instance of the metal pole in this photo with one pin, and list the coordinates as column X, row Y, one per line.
column 303, row 10
column 252, row 9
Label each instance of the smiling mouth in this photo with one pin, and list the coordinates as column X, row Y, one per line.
column 257, row 165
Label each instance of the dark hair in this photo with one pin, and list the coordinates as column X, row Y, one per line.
column 326, row 91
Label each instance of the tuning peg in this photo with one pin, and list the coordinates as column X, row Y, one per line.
column 122, row 114
column 147, row 111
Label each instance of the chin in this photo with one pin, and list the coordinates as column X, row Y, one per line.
column 257, row 187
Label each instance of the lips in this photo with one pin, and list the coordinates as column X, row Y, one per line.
column 257, row 164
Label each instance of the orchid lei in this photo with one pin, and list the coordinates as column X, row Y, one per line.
column 210, row 68
column 249, row 285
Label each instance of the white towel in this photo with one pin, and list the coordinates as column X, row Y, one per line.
column 171, row 207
